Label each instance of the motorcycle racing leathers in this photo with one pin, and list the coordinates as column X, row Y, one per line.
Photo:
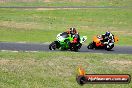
column 107, row 39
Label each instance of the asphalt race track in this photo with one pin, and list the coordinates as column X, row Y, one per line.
column 44, row 47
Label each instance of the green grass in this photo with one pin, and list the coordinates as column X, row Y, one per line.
column 57, row 69
column 34, row 25
column 67, row 3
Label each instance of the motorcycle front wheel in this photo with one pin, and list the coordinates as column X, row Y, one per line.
column 52, row 46
column 108, row 48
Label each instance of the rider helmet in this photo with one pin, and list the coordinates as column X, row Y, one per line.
column 107, row 33
column 73, row 31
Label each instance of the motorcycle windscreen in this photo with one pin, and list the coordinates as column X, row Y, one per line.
column 64, row 35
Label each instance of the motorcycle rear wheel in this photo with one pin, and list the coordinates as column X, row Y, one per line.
column 73, row 47
column 90, row 46
column 108, row 49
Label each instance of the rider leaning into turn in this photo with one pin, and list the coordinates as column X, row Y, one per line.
column 107, row 37
column 74, row 34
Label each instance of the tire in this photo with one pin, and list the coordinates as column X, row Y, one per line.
column 53, row 46
column 108, row 49
column 57, row 44
column 73, row 47
column 90, row 46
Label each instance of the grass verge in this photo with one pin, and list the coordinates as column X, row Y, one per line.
column 66, row 3
column 57, row 69
column 37, row 25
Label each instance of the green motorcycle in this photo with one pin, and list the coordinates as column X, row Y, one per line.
column 63, row 42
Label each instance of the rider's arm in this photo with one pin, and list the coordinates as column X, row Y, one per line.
column 76, row 38
column 111, row 36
